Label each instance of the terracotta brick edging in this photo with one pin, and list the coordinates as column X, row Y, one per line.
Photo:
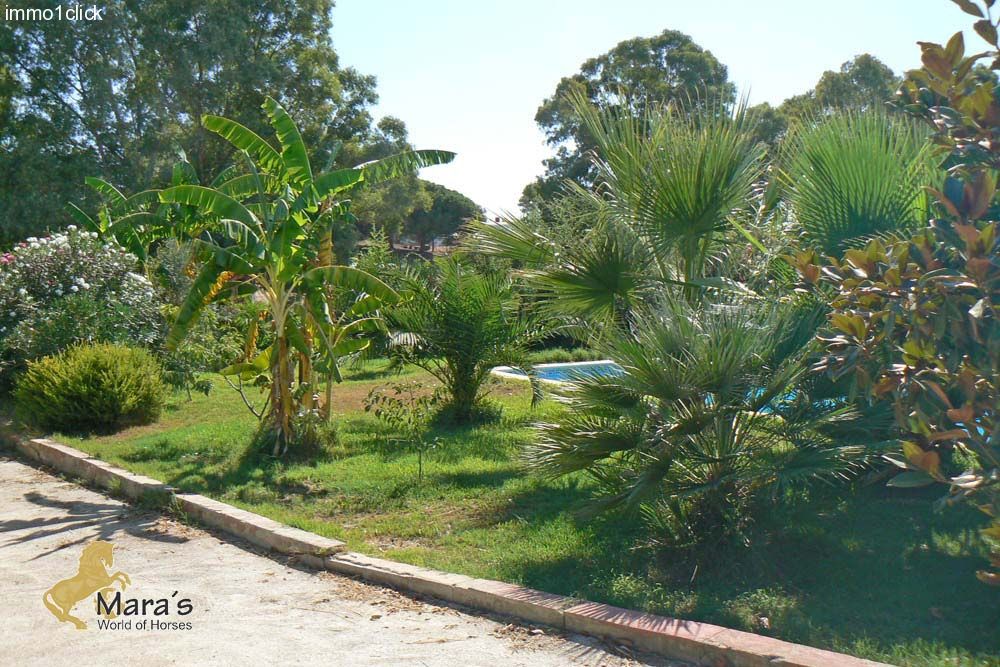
column 699, row 643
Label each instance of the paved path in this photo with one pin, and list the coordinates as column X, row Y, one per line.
column 247, row 608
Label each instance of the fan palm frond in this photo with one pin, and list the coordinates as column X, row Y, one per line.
column 856, row 175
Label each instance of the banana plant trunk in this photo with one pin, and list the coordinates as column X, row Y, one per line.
column 281, row 397
column 325, row 258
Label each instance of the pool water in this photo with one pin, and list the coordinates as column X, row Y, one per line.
column 565, row 372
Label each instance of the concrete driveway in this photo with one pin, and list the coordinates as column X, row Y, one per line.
column 245, row 608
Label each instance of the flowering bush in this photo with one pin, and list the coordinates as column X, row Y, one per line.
column 68, row 288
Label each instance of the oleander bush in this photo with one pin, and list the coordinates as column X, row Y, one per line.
column 91, row 388
column 71, row 288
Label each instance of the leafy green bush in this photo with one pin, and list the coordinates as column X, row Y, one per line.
column 916, row 323
column 91, row 388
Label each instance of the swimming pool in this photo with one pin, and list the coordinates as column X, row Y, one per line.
column 563, row 372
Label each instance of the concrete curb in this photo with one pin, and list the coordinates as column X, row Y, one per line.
column 699, row 643
column 251, row 527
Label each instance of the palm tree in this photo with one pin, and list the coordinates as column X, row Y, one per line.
column 708, row 414
column 672, row 186
column 712, row 409
column 458, row 324
column 856, row 175
column 267, row 233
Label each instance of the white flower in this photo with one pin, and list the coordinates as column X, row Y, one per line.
column 22, row 292
column 74, row 288
column 59, row 292
column 32, row 239
column 71, row 228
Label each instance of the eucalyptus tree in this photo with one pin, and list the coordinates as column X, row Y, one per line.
column 121, row 94
column 267, row 233
column 641, row 71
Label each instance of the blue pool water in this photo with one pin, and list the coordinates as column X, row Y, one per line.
column 568, row 371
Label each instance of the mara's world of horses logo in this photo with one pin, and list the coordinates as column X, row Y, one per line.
column 94, row 580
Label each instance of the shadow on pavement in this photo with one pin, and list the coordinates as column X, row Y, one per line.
column 105, row 519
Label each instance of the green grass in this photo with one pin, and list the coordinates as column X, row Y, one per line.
column 877, row 573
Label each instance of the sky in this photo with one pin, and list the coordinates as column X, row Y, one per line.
column 468, row 75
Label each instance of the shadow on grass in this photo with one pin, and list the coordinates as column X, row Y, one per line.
column 478, row 480
column 881, row 568
column 367, row 374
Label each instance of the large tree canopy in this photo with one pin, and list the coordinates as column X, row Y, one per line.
column 121, row 97
column 864, row 82
column 448, row 211
column 640, row 71
column 861, row 83
column 388, row 205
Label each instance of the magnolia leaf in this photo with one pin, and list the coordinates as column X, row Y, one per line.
column 911, row 479
column 969, row 7
column 987, row 31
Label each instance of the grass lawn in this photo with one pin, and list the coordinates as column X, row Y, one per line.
column 876, row 574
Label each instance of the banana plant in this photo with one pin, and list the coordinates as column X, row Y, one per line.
column 139, row 222
column 267, row 234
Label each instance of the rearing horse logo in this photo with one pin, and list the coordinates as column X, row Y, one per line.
column 92, row 576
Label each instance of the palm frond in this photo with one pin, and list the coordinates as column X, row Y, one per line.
column 857, row 175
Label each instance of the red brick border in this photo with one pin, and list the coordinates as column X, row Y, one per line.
column 700, row 643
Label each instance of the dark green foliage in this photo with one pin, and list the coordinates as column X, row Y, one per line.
column 448, row 211
column 561, row 355
column 91, row 388
column 119, row 96
column 862, row 83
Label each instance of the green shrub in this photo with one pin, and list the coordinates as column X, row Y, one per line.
column 91, row 388
column 562, row 355
column 916, row 323
column 457, row 324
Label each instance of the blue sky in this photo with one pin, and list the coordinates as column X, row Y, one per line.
column 468, row 75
